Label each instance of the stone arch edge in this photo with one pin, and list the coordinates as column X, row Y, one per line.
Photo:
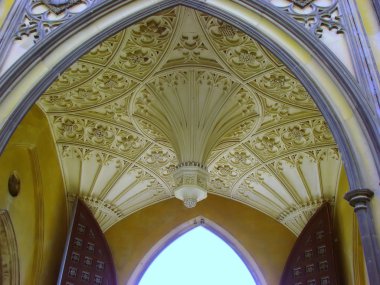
column 182, row 229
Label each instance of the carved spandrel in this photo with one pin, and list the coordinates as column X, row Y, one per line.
column 40, row 16
column 314, row 16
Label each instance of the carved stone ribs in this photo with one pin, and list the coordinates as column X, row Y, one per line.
column 184, row 86
column 87, row 258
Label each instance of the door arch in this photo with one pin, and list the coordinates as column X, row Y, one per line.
column 323, row 75
column 186, row 227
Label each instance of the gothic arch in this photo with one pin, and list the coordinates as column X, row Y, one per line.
column 182, row 229
column 323, row 75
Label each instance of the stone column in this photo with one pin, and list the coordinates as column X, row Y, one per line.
column 359, row 199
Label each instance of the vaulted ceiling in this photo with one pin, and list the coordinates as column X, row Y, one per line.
column 184, row 86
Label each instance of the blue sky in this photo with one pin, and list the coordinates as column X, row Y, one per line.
column 198, row 257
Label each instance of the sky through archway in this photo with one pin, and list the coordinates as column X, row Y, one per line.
column 199, row 257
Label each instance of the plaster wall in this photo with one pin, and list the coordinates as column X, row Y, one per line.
column 5, row 5
column 267, row 241
column 371, row 25
column 38, row 213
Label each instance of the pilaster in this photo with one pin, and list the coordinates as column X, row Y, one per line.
column 359, row 199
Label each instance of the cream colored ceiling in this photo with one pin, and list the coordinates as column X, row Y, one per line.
column 183, row 86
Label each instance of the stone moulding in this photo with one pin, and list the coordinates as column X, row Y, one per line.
column 40, row 22
column 10, row 24
column 59, row 6
column 366, row 70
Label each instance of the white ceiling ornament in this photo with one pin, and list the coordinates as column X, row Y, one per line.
column 195, row 111
column 181, row 99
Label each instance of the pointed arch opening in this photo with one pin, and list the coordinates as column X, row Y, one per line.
column 164, row 260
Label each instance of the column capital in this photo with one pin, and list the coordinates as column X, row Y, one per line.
column 359, row 198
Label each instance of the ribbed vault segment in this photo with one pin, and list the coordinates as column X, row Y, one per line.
column 119, row 117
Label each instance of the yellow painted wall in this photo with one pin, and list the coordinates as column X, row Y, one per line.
column 39, row 212
column 371, row 25
column 5, row 5
column 268, row 242
column 348, row 239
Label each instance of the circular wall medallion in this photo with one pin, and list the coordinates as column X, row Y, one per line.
column 14, row 184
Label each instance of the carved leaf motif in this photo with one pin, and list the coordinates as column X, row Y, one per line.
column 126, row 142
column 116, row 111
column 98, row 133
column 56, row 101
column 75, row 75
column 284, row 139
column 277, row 112
column 282, row 87
column 269, row 144
column 104, row 52
column 240, row 52
column 146, row 44
column 297, row 135
column 218, row 185
column 69, row 129
column 241, row 158
column 111, row 82
column 321, row 131
column 191, row 48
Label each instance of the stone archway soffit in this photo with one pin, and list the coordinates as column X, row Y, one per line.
column 35, row 72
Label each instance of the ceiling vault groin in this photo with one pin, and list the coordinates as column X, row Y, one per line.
column 183, row 86
column 355, row 165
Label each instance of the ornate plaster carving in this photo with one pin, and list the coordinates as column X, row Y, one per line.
column 119, row 116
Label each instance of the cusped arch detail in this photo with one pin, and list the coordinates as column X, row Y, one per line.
column 185, row 227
